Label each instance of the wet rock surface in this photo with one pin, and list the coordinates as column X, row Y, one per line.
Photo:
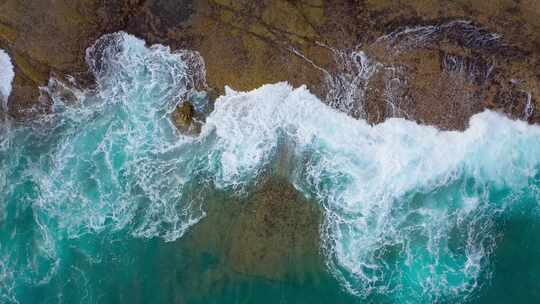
column 441, row 75
column 183, row 118
column 246, row 44
column 46, row 38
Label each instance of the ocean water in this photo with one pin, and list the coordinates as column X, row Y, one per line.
column 103, row 200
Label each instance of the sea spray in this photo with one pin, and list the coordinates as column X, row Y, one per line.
column 411, row 213
column 107, row 161
column 6, row 78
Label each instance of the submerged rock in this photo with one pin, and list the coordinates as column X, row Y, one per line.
column 277, row 233
column 272, row 234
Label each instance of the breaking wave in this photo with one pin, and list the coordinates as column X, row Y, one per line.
column 411, row 213
column 6, row 78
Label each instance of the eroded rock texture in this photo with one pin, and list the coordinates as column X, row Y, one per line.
column 436, row 78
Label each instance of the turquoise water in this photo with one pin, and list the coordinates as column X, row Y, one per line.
column 103, row 201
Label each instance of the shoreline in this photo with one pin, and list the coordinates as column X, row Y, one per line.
column 245, row 46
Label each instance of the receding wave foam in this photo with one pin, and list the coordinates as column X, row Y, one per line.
column 6, row 78
column 411, row 213
column 107, row 159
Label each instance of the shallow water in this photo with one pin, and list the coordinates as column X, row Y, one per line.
column 103, row 201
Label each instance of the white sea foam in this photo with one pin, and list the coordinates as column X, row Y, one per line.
column 108, row 161
column 7, row 283
column 409, row 211
column 116, row 159
column 6, row 78
column 395, row 195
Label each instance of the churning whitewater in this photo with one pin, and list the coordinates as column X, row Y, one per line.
column 411, row 213
column 6, row 78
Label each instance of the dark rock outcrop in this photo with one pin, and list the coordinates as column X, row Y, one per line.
column 46, row 38
column 248, row 43
column 184, row 118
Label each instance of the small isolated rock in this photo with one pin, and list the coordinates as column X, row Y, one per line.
column 183, row 118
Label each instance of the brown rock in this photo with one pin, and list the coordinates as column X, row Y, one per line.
column 49, row 38
column 183, row 117
column 248, row 43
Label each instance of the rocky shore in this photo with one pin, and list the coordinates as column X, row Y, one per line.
column 436, row 62
column 246, row 44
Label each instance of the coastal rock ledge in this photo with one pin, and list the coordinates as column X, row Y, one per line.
column 246, row 44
